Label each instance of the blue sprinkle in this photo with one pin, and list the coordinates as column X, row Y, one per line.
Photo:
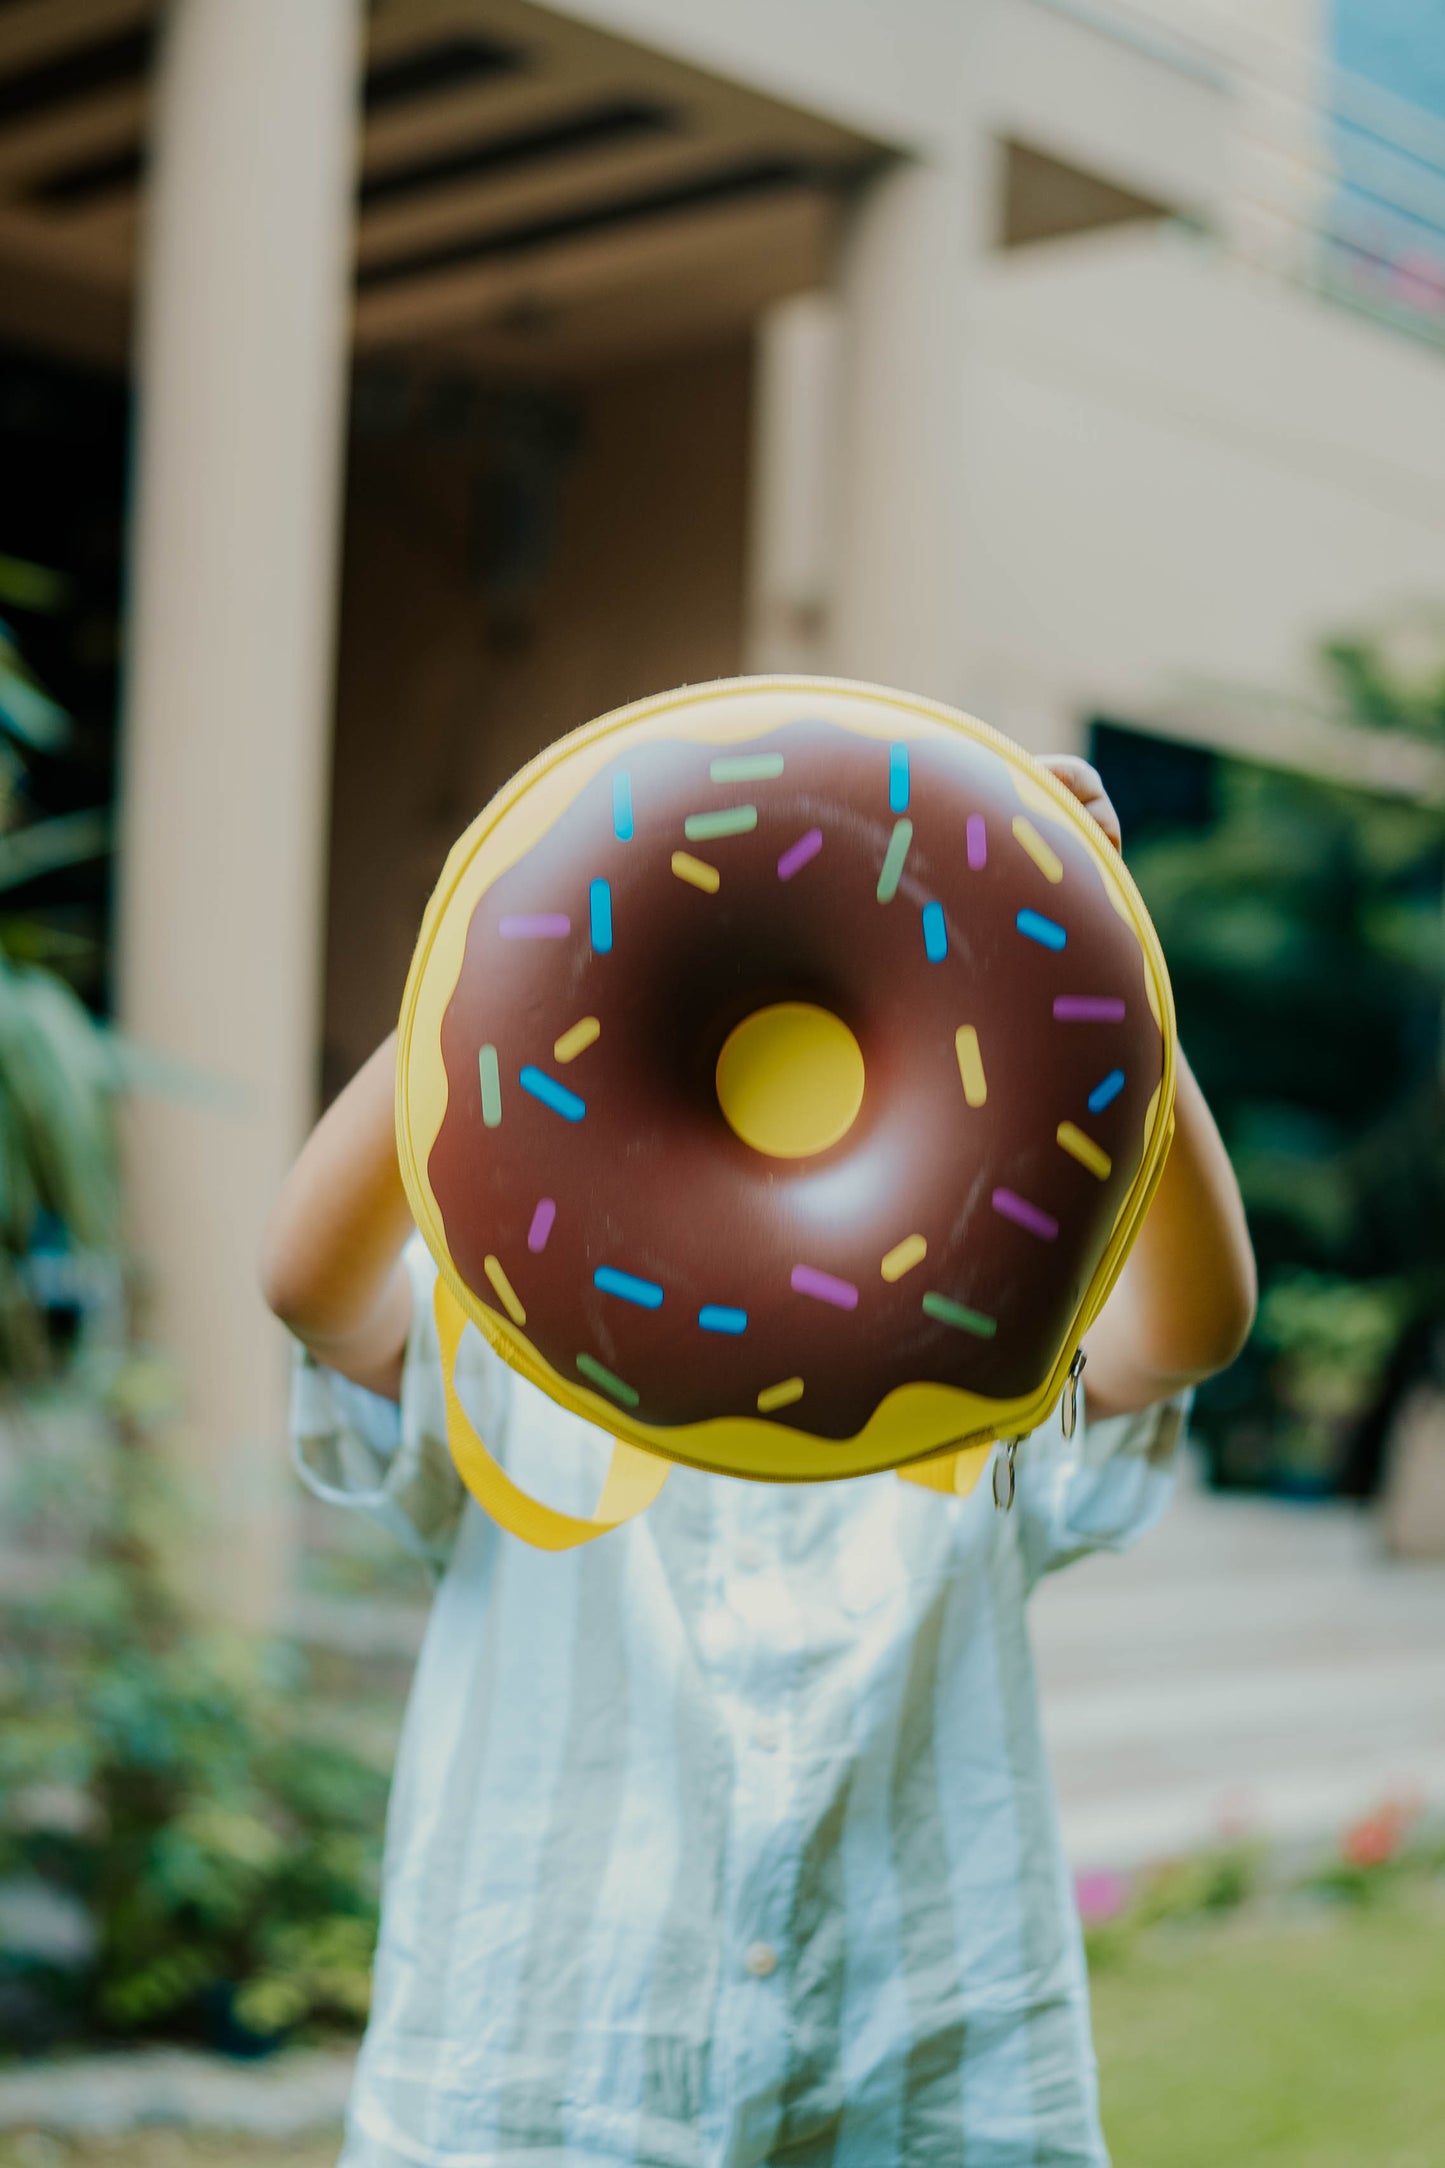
column 1103, row 1095
column 599, row 898
column 898, row 779
column 713, row 1317
column 645, row 1293
column 552, row 1094
column 622, row 806
column 1046, row 931
column 935, row 933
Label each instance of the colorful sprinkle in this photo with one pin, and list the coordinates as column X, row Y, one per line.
column 1050, row 865
column 797, row 855
column 626, row 1285
column 541, row 1226
column 696, row 872
column 733, row 820
column 1089, row 1009
column 535, row 926
column 1023, row 1214
column 491, row 1081
column 599, row 904
column 898, row 779
column 1046, row 931
column 715, row 1317
column 977, row 834
column 954, row 1313
column 746, row 768
column 552, row 1094
column 608, row 1380
column 903, row 1257
column 505, row 1290
column 584, row 1033
column 970, row 1065
column 893, row 859
column 1106, row 1092
column 1084, row 1149
column 824, row 1288
column 622, row 806
column 773, row 1397
column 935, row 933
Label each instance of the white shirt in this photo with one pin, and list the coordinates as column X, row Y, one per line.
column 727, row 1839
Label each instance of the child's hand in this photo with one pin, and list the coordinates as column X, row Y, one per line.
column 1087, row 786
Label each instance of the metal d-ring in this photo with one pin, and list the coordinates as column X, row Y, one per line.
column 1070, row 1413
column 1003, row 1473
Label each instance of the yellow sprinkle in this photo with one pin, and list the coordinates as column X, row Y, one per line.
column 697, row 872
column 970, row 1065
column 1050, row 865
column 583, row 1034
column 780, row 1396
column 903, row 1257
column 1084, row 1149
column 505, row 1290
column 1037, row 799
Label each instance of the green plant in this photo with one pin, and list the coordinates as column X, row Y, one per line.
column 167, row 1785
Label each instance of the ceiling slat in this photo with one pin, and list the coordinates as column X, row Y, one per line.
column 552, row 275
column 40, row 30
column 110, row 121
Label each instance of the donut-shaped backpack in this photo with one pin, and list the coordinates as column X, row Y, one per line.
column 784, row 1071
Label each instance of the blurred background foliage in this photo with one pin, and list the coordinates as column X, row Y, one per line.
column 1304, row 922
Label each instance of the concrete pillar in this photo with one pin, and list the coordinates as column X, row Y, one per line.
column 242, row 374
column 900, row 609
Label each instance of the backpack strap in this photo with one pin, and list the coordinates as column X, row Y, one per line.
column 633, row 1480
column 954, row 1473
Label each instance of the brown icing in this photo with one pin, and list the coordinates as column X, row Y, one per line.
column 653, row 1183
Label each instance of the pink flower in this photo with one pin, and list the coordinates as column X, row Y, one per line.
column 1375, row 1839
column 1101, row 1895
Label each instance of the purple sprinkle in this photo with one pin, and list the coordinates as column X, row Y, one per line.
column 796, row 856
column 977, row 835
column 536, row 926
column 1089, row 1009
column 1025, row 1214
column 541, row 1225
column 841, row 1293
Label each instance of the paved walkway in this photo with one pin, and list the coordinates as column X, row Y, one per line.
column 1248, row 1660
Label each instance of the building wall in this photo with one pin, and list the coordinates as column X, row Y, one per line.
column 439, row 702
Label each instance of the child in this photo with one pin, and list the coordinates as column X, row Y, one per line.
column 729, row 1838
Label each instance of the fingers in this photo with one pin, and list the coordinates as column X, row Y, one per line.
column 1087, row 785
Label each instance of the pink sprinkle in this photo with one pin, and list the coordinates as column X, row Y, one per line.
column 796, row 856
column 541, row 1225
column 536, row 926
column 1024, row 1214
column 1089, row 1009
column 824, row 1287
column 977, row 843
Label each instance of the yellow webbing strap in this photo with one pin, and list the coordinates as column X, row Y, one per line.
column 633, row 1480
column 954, row 1473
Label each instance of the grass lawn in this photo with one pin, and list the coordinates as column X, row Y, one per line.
column 1312, row 2044
column 1248, row 2043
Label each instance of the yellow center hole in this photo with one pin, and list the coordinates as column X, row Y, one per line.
column 790, row 1080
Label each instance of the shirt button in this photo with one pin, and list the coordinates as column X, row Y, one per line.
column 765, row 1734
column 761, row 1959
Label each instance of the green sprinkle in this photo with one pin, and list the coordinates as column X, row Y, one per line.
column 747, row 768
column 953, row 1313
column 897, row 851
column 734, row 820
column 491, row 1085
column 591, row 1368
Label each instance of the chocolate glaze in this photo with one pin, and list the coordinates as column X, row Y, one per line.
column 653, row 1182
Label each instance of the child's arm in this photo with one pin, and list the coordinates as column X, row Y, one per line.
column 1185, row 1300
column 331, row 1264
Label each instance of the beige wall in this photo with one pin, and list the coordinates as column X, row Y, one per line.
column 645, row 590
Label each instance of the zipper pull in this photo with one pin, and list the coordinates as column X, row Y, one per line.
column 1070, row 1412
column 1003, row 1474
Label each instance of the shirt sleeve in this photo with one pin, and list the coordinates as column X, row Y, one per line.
column 1100, row 1490
column 386, row 1459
